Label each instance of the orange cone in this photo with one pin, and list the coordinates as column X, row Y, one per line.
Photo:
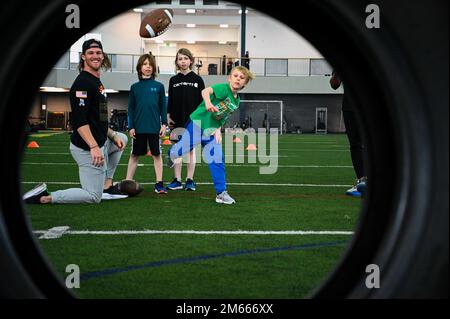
column 33, row 144
column 149, row 153
column 251, row 147
column 237, row 140
column 167, row 142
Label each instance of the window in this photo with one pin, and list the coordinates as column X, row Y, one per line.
column 188, row 2
column 210, row 2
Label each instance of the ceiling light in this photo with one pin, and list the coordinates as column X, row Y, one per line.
column 159, row 41
column 190, row 10
column 223, row 25
column 52, row 89
column 190, row 25
column 222, row 42
column 240, row 11
column 190, row 42
column 138, row 10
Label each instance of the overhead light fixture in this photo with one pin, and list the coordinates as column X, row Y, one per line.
column 159, row 41
column 223, row 26
column 222, row 42
column 190, row 42
column 52, row 89
column 138, row 10
column 190, row 10
column 111, row 91
column 240, row 11
column 190, row 25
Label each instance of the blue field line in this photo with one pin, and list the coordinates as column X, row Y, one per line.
column 112, row 271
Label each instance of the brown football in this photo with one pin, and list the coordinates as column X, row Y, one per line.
column 335, row 82
column 156, row 23
column 130, row 187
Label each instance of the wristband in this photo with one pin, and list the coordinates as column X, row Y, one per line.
column 91, row 147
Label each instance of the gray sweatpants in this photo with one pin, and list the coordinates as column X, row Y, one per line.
column 91, row 178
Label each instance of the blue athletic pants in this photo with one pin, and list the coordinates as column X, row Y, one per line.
column 212, row 152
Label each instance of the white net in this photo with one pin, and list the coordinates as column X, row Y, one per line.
column 256, row 114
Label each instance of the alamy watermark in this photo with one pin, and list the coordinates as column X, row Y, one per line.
column 373, row 277
column 73, row 19
column 373, row 19
column 239, row 146
column 73, row 279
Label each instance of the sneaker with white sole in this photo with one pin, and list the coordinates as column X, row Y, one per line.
column 160, row 189
column 113, row 192
column 108, row 196
column 354, row 191
column 34, row 195
column 361, row 186
column 224, row 198
column 190, row 185
column 175, row 185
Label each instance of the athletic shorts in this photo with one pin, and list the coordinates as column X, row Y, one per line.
column 143, row 142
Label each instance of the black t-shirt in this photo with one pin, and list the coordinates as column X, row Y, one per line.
column 185, row 94
column 89, row 107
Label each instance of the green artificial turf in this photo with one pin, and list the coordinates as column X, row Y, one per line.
column 174, row 265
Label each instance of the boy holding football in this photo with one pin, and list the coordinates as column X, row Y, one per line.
column 219, row 102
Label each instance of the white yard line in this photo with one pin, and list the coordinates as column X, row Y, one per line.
column 231, row 165
column 59, row 231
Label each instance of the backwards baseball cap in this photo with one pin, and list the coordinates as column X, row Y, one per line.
column 92, row 43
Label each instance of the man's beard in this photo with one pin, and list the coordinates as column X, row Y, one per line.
column 95, row 68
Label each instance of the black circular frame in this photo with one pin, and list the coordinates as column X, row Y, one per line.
column 397, row 76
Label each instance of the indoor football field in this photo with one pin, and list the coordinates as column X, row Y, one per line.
column 281, row 239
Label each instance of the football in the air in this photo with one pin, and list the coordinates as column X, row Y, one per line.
column 130, row 187
column 156, row 23
column 335, row 82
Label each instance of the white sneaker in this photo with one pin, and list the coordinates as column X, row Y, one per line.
column 359, row 185
column 107, row 196
column 34, row 195
column 224, row 198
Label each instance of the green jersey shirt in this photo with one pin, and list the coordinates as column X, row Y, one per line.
column 223, row 99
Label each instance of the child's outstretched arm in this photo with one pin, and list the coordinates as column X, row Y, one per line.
column 206, row 96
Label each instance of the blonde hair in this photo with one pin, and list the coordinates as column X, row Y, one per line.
column 187, row 53
column 249, row 75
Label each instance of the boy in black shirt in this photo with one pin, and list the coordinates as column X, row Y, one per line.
column 184, row 96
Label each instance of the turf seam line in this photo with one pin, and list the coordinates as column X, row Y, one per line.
column 112, row 271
